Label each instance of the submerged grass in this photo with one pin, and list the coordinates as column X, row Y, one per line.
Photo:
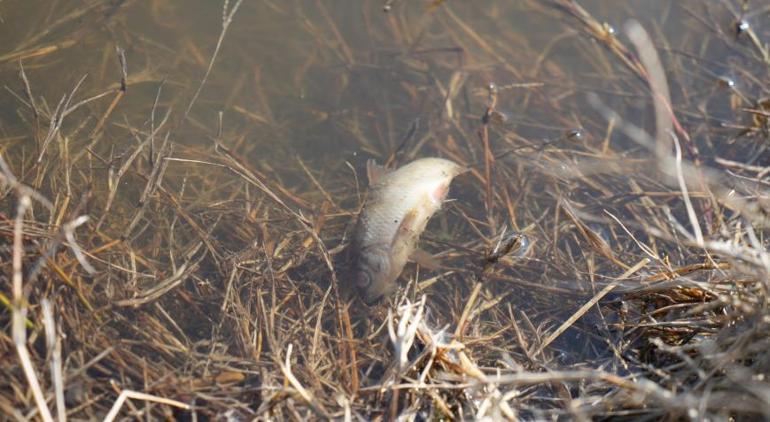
column 605, row 257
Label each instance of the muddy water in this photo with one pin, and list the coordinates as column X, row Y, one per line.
column 302, row 68
column 329, row 84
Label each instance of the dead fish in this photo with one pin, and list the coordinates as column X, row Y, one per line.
column 397, row 209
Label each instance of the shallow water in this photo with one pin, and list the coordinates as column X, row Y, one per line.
column 326, row 84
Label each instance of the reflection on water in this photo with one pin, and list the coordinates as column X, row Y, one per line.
column 301, row 93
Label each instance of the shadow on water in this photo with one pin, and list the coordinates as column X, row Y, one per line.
column 220, row 157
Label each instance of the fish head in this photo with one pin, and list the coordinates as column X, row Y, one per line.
column 372, row 275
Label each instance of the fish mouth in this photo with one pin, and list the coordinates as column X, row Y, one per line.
column 376, row 292
column 371, row 296
column 371, row 301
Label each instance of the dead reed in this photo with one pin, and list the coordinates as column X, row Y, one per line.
column 173, row 210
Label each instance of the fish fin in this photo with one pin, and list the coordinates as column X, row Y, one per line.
column 374, row 172
column 425, row 259
column 404, row 233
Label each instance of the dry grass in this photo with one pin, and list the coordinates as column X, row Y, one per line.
column 606, row 256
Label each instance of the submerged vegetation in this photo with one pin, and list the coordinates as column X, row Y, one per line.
column 179, row 181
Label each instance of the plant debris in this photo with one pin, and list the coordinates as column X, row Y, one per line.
column 174, row 209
